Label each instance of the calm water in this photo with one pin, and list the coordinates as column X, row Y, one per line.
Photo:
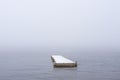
column 30, row 64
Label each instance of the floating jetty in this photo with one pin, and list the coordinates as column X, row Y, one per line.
column 60, row 61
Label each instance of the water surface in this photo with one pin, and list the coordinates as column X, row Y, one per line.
column 30, row 64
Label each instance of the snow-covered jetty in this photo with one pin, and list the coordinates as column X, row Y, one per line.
column 60, row 61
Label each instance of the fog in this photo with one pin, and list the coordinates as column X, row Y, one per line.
column 60, row 23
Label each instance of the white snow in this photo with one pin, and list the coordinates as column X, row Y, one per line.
column 61, row 59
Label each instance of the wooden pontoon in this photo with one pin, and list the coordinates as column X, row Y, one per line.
column 60, row 61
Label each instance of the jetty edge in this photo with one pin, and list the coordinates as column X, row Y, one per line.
column 60, row 61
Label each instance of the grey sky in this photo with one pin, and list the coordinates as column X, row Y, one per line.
column 60, row 23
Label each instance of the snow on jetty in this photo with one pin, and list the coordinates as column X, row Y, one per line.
column 60, row 61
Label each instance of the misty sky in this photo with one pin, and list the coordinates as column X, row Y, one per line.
column 74, row 23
